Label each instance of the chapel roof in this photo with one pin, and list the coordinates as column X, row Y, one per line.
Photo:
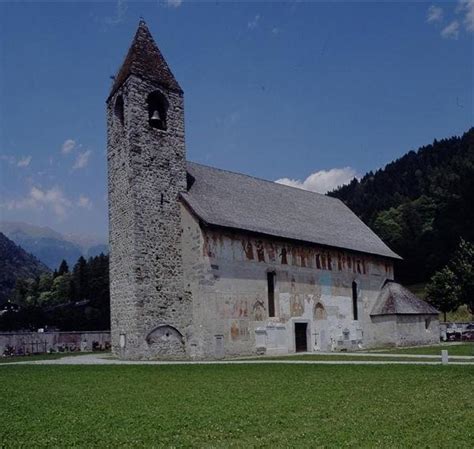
column 233, row 200
column 394, row 299
column 145, row 60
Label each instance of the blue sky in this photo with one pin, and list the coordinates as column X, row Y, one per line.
column 313, row 92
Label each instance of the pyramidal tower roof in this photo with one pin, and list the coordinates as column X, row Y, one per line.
column 145, row 60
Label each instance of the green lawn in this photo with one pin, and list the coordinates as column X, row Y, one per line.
column 236, row 406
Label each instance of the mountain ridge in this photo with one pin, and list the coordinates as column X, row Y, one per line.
column 50, row 246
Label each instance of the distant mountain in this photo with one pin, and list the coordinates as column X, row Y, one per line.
column 420, row 204
column 16, row 263
column 50, row 246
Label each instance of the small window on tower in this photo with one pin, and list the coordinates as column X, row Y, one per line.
column 119, row 109
column 157, row 110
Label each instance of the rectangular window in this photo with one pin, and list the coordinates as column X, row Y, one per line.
column 271, row 294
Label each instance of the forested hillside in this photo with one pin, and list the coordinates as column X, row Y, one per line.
column 420, row 205
column 16, row 263
column 76, row 299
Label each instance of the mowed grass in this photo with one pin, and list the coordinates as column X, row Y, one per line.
column 236, row 406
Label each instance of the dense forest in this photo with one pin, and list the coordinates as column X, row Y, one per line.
column 76, row 299
column 16, row 263
column 421, row 205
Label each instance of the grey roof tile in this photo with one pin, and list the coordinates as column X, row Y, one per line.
column 233, row 200
column 394, row 299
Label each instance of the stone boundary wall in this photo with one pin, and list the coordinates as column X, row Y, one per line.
column 41, row 342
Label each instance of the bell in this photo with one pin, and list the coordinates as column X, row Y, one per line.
column 155, row 118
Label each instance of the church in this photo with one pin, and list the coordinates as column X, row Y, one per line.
column 206, row 263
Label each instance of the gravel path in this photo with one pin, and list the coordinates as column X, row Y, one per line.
column 107, row 359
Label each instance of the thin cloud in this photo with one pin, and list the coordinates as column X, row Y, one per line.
column 82, row 160
column 466, row 7
column 322, row 181
column 8, row 159
column 52, row 200
column 24, row 162
column 451, row 31
column 119, row 16
column 68, row 146
column 84, row 202
column 174, row 3
column 434, row 14
column 252, row 24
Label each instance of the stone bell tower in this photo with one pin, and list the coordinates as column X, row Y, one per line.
column 150, row 311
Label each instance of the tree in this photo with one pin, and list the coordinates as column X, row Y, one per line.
column 63, row 268
column 80, row 279
column 462, row 265
column 443, row 291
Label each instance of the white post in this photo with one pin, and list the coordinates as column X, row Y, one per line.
column 444, row 356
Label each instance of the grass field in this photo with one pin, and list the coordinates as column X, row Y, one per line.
column 236, row 406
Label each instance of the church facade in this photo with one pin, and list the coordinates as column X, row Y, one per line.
column 207, row 263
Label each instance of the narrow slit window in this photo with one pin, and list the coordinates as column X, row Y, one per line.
column 271, row 294
column 354, row 301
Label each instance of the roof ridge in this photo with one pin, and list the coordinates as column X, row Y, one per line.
column 266, row 180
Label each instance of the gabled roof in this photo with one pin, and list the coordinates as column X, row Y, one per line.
column 232, row 200
column 394, row 299
column 145, row 60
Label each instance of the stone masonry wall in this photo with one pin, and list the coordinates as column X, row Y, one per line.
column 40, row 342
column 227, row 274
column 151, row 312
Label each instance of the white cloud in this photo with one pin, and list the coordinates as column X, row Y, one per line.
column 82, row 160
column 451, row 31
column 467, row 7
column 8, row 159
column 252, row 24
column 24, row 161
column 322, row 181
column 120, row 11
column 174, row 3
column 52, row 200
column 68, row 146
column 434, row 14
column 275, row 30
column 84, row 202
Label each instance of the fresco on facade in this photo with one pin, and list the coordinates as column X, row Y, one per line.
column 317, row 292
column 340, row 287
column 325, row 280
column 271, row 252
column 284, row 301
column 258, row 310
column 232, row 308
column 296, row 305
column 319, row 312
column 261, row 250
column 248, row 249
column 239, row 330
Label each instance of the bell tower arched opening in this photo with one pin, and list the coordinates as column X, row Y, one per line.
column 157, row 110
